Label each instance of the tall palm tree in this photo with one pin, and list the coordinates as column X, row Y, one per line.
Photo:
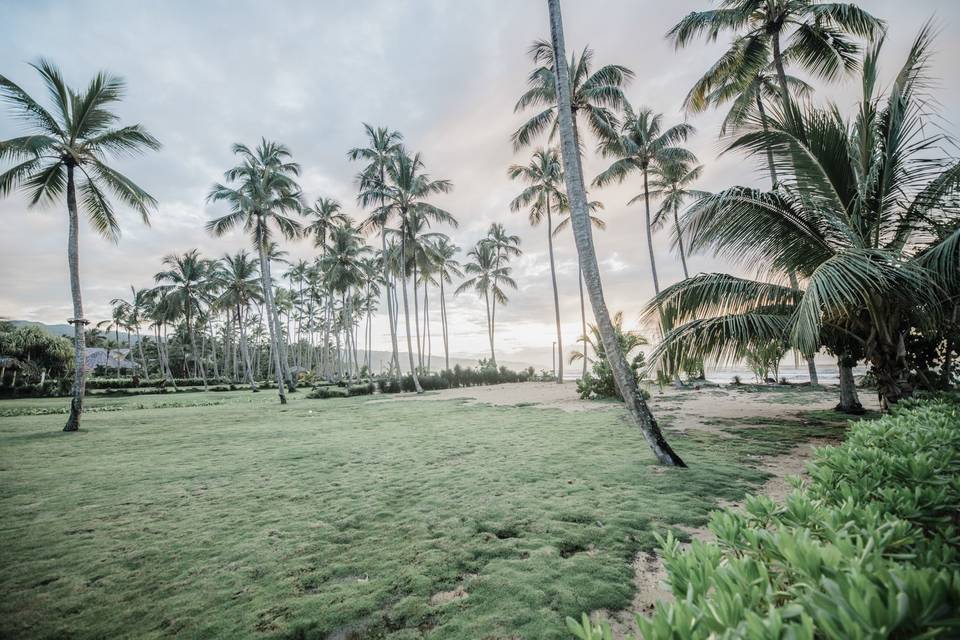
column 324, row 215
column 577, row 194
column 134, row 312
column 447, row 268
column 241, row 287
column 543, row 195
column 404, row 192
column 818, row 37
column 185, row 284
column 343, row 266
column 64, row 151
column 865, row 212
column 505, row 247
column 672, row 186
column 383, row 145
column 486, row 277
column 641, row 145
column 265, row 192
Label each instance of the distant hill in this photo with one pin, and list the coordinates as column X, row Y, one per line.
column 378, row 358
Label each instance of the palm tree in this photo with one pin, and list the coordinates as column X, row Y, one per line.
column 343, row 266
column 577, row 194
column 486, row 278
column 865, row 212
column 185, row 285
column 819, row 38
column 241, row 287
column 403, row 193
column 505, row 246
column 642, row 145
column 543, row 194
column 64, row 152
column 672, row 186
column 447, row 267
column 384, row 144
column 264, row 194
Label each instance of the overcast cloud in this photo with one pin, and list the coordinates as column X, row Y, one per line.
column 203, row 75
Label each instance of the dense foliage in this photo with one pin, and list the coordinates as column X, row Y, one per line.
column 869, row 548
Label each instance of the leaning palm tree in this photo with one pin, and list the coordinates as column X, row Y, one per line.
column 818, row 38
column 580, row 216
column 384, row 144
column 241, row 287
column 543, row 195
column 641, row 145
column 404, row 193
column 63, row 153
column 487, row 275
column 265, row 192
column 865, row 213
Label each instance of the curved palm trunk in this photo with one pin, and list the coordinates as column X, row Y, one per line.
column 245, row 352
column 493, row 356
column 583, row 317
column 416, row 316
column 653, row 260
column 79, row 340
column 580, row 218
column 272, row 326
column 406, row 307
column 556, row 295
column 443, row 326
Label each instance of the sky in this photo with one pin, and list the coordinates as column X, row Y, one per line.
column 203, row 75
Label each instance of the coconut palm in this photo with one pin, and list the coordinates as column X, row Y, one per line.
column 241, row 287
column 818, row 38
column 641, row 145
column 487, row 273
column 403, row 193
column 447, row 268
column 265, row 192
column 383, row 145
column 672, row 186
column 185, row 284
column 865, row 212
column 543, row 195
column 325, row 214
column 134, row 312
column 505, row 247
column 343, row 266
column 64, row 153
column 577, row 195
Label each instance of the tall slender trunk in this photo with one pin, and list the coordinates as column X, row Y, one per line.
column 812, row 370
column 245, row 351
column 653, row 259
column 406, row 305
column 782, row 79
column 683, row 255
column 272, row 325
column 280, row 343
column 770, row 165
column 116, row 334
column 78, row 321
column 580, row 217
column 426, row 324
column 486, row 298
column 583, row 317
column 193, row 349
column 391, row 313
column 416, row 316
column 143, row 359
column 556, row 295
column 443, row 326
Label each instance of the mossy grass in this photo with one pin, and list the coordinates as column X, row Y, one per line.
column 246, row 519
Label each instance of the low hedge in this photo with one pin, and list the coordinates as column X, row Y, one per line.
column 127, row 383
column 869, row 548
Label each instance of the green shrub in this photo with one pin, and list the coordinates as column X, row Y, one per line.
column 601, row 383
column 870, row 548
column 363, row 389
column 329, row 392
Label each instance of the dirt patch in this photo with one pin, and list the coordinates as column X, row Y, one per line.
column 446, row 597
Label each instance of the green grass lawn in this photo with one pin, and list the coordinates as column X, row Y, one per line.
column 223, row 515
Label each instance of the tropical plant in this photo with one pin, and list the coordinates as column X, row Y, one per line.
column 242, row 286
column 64, row 153
column 447, row 268
column 265, row 192
column 672, row 185
column 485, row 278
column 865, row 212
column 577, row 195
column 641, row 145
column 505, row 246
column 601, row 383
column 542, row 196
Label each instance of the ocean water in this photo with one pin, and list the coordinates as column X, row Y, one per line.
column 826, row 372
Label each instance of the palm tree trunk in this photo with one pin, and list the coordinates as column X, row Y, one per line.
column 143, row 360
column 443, row 326
column 583, row 317
column 580, row 217
column 770, row 164
column 653, row 260
column 245, row 351
column 391, row 313
column 556, row 295
column 406, row 305
column 426, row 323
column 416, row 316
column 272, row 325
column 683, row 255
column 849, row 402
column 782, row 78
column 493, row 355
column 193, row 349
column 79, row 344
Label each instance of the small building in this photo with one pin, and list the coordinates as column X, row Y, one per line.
column 110, row 359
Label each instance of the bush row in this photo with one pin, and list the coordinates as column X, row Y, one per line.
column 870, row 548
column 446, row 379
column 127, row 383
